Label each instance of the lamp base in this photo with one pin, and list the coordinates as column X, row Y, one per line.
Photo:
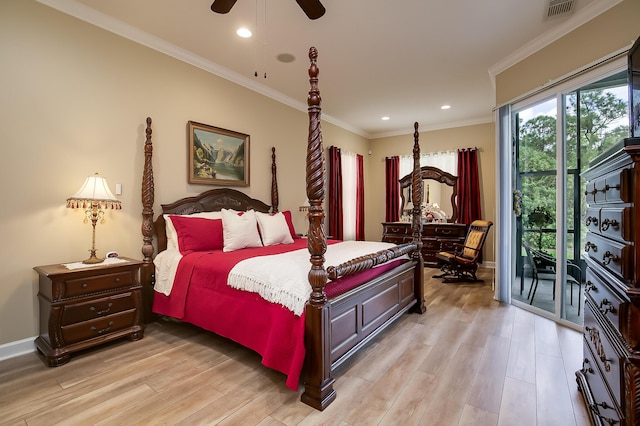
column 92, row 259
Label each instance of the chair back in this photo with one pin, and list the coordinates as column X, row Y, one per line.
column 475, row 239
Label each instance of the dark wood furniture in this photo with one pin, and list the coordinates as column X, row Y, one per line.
column 438, row 175
column 82, row 308
column 461, row 263
column 338, row 328
column 436, row 237
column 610, row 376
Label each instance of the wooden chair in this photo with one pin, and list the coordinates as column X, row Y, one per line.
column 462, row 263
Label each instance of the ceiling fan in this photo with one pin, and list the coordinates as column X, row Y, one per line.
column 312, row 8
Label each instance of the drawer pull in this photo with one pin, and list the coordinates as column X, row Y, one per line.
column 85, row 285
column 585, row 367
column 594, row 407
column 117, row 280
column 609, row 307
column 607, row 187
column 608, row 257
column 594, row 336
column 589, row 245
column 589, row 286
column 104, row 311
column 590, row 220
column 592, row 192
column 443, row 231
column 607, row 222
column 102, row 331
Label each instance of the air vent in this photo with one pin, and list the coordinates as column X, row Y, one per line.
column 557, row 8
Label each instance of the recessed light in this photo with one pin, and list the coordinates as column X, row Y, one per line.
column 385, row 118
column 244, row 32
column 445, row 107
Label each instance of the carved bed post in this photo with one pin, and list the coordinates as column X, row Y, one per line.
column 147, row 270
column 318, row 383
column 416, row 225
column 274, row 182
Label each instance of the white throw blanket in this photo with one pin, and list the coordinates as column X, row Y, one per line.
column 283, row 278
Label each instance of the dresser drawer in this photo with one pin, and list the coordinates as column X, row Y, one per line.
column 98, row 327
column 447, row 231
column 611, row 188
column 603, row 407
column 605, row 356
column 395, row 239
column 97, row 308
column 613, row 255
column 616, row 223
column 605, row 299
column 592, row 219
column 400, row 229
column 97, row 283
column 430, row 244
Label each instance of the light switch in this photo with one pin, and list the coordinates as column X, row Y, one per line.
column 118, row 189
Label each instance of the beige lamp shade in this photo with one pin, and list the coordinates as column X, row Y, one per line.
column 94, row 189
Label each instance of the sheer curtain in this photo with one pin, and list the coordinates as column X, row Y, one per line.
column 352, row 196
column 445, row 160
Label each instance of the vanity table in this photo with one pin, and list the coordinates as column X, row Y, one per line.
column 436, row 236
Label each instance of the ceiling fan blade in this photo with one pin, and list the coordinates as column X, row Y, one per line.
column 312, row 8
column 222, row 6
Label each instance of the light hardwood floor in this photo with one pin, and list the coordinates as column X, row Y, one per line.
column 468, row 361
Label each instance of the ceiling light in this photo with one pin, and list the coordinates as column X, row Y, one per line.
column 244, row 32
column 445, row 107
column 385, row 118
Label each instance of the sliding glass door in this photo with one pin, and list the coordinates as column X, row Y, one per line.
column 553, row 141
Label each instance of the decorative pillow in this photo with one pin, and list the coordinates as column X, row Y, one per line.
column 197, row 234
column 240, row 231
column 273, row 229
column 170, row 230
column 292, row 230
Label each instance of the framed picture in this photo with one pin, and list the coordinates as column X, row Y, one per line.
column 217, row 156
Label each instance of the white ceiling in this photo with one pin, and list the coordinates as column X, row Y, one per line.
column 402, row 59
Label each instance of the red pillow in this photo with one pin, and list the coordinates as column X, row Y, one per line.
column 197, row 234
column 287, row 216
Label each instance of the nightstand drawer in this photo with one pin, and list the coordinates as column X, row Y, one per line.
column 98, row 283
column 97, row 308
column 98, row 327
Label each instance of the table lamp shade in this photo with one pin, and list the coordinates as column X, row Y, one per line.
column 94, row 189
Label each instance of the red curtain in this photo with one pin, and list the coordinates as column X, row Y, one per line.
column 335, row 193
column 468, row 186
column 359, row 198
column 392, row 185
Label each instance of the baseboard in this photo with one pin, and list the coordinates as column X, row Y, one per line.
column 19, row 347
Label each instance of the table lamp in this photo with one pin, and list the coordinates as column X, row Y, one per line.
column 94, row 196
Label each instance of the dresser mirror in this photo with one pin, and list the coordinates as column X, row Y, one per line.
column 439, row 189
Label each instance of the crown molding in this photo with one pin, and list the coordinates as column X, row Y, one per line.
column 580, row 17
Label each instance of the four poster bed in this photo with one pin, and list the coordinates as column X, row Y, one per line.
column 305, row 335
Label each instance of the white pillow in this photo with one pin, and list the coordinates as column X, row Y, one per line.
column 170, row 230
column 274, row 229
column 239, row 231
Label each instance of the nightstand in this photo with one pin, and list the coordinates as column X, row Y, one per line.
column 82, row 308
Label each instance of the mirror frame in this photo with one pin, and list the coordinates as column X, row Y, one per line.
column 434, row 173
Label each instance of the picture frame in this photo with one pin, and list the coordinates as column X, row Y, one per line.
column 217, row 156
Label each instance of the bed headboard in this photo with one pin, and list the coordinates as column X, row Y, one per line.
column 213, row 200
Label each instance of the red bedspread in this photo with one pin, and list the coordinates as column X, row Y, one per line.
column 201, row 296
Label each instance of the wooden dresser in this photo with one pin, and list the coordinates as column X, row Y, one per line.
column 610, row 376
column 81, row 308
column 435, row 237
